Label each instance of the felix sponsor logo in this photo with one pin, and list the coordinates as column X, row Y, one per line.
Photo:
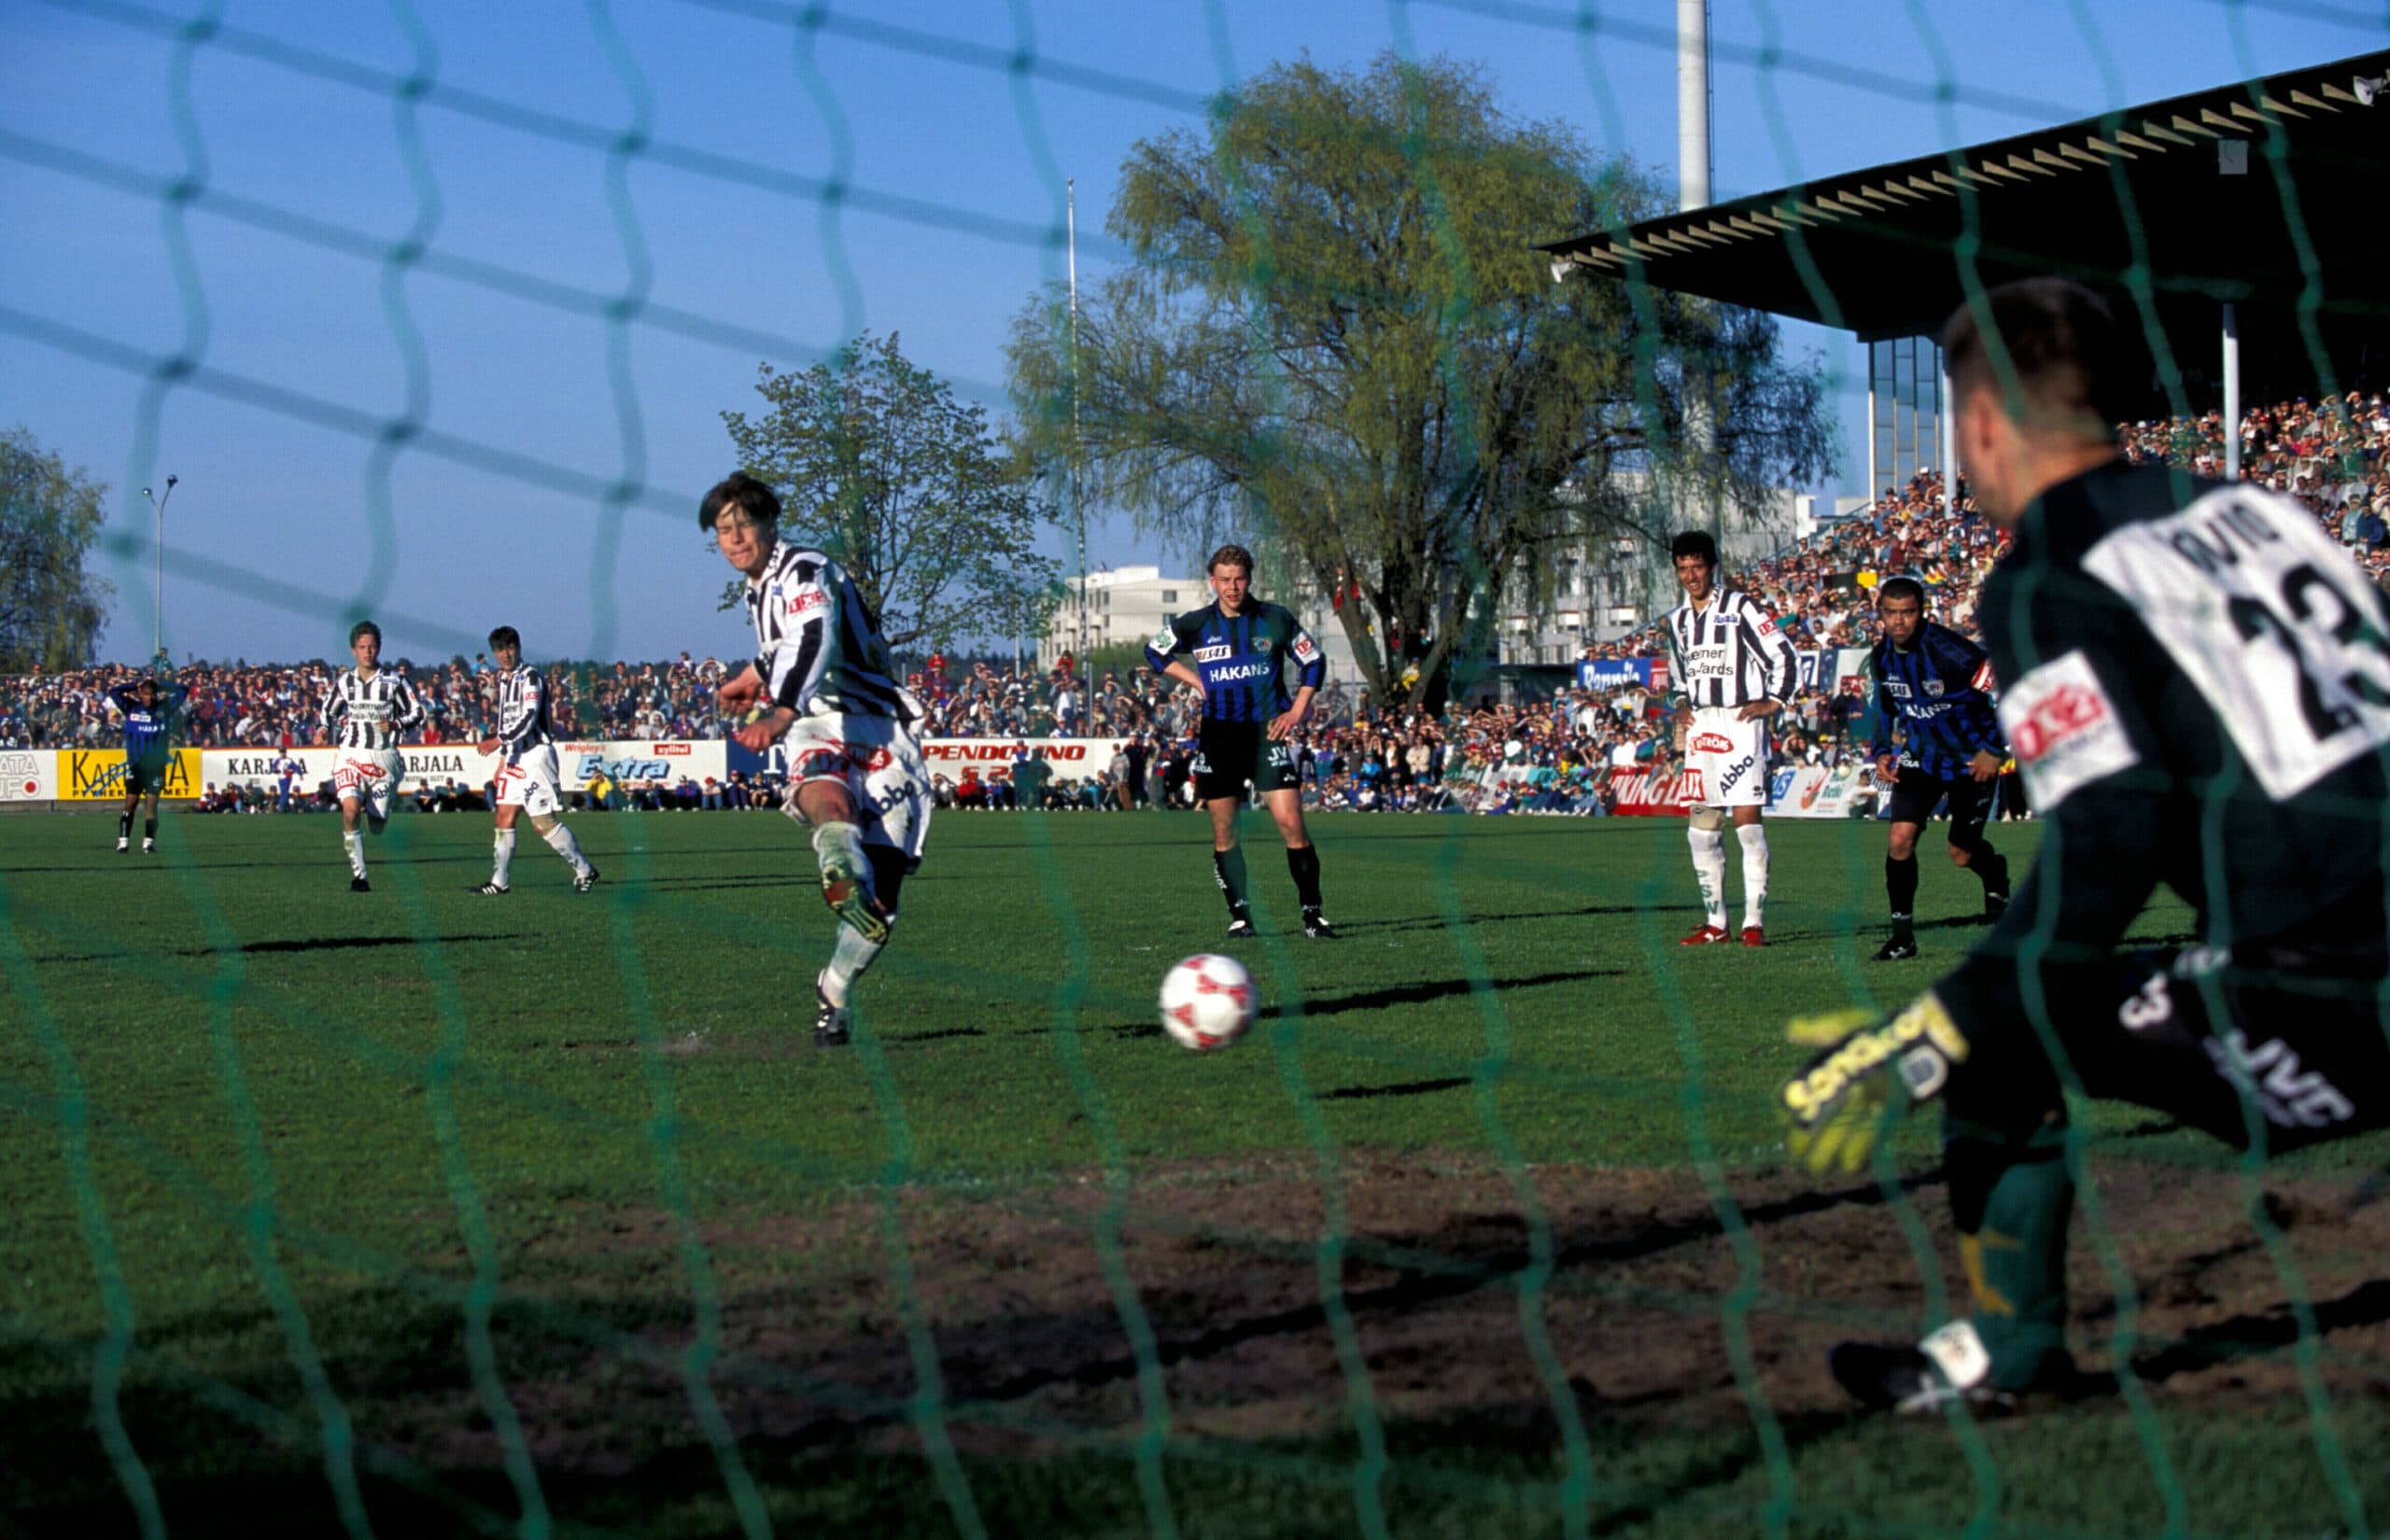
column 1711, row 743
column 2066, row 711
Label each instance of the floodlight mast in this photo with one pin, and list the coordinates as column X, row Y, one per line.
column 158, row 577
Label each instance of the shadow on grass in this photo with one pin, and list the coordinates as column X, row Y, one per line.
column 300, row 943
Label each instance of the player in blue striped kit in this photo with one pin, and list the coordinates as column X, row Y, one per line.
column 1937, row 686
column 148, row 711
column 1237, row 651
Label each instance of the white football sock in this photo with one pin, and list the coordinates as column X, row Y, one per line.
column 1754, row 838
column 560, row 840
column 848, row 962
column 502, row 856
column 353, row 841
column 1709, row 870
column 845, row 839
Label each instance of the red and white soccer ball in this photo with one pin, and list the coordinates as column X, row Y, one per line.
column 1207, row 1001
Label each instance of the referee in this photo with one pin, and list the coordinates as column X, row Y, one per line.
column 1936, row 685
column 1236, row 651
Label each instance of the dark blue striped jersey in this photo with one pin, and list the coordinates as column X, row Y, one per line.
column 1242, row 658
column 147, row 728
column 1938, row 693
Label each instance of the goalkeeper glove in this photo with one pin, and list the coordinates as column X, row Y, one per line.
column 1863, row 1078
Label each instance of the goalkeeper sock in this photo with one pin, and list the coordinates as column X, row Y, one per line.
column 2012, row 1198
column 1754, row 838
column 1900, row 886
column 848, row 962
column 502, row 856
column 1709, row 870
column 353, row 841
column 1228, row 870
column 124, row 825
column 560, row 840
column 149, row 831
column 1304, row 862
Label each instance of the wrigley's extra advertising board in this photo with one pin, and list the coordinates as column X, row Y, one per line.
column 663, row 759
column 28, row 775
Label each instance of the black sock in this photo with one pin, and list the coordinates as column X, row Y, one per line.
column 1991, row 869
column 124, row 826
column 150, row 829
column 1228, row 869
column 1304, row 862
column 1900, row 886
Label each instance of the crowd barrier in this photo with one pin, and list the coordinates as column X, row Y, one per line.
column 67, row 777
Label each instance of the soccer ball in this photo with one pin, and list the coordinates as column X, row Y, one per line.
column 1206, row 1002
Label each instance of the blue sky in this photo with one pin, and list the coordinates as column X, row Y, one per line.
column 622, row 210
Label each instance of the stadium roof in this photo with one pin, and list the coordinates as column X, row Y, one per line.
column 1879, row 252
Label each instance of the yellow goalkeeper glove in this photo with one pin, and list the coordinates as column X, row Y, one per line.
column 1865, row 1075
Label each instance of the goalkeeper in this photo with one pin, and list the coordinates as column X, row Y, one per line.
column 2197, row 696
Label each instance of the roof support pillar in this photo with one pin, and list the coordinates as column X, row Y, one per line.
column 1946, row 420
column 1874, row 486
column 2231, row 393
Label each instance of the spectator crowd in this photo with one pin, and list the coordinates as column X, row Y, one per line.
column 1553, row 756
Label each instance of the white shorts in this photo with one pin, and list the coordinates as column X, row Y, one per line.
column 878, row 762
column 1726, row 759
column 369, row 776
column 528, row 781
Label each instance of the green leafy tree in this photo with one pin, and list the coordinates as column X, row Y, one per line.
column 1335, row 337
column 52, row 608
column 908, row 488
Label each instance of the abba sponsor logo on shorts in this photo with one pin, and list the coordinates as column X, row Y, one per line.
column 2064, row 730
column 1713, row 743
column 1734, row 773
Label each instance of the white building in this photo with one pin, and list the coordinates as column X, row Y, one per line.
column 1121, row 604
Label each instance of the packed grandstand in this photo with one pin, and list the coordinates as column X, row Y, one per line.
column 1557, row 756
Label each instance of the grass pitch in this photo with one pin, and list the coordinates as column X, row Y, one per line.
column 418, row 1212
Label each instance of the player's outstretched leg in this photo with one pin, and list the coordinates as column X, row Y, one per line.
column 560, row 840
column 834, row 988
column 2011, row 1199
column 846, row 881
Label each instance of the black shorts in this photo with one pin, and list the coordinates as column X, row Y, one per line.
column 1916, row 794
column 145, row 777
column 2271, row 1043
column 1227, row 754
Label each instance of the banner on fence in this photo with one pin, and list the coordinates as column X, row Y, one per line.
column 28, row 775
column 97, row 774
column 1068, row 759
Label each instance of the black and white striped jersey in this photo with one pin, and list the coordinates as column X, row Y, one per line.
column 522, row 712
column 362, row 713
column 817, row 649
column 1730, row 653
